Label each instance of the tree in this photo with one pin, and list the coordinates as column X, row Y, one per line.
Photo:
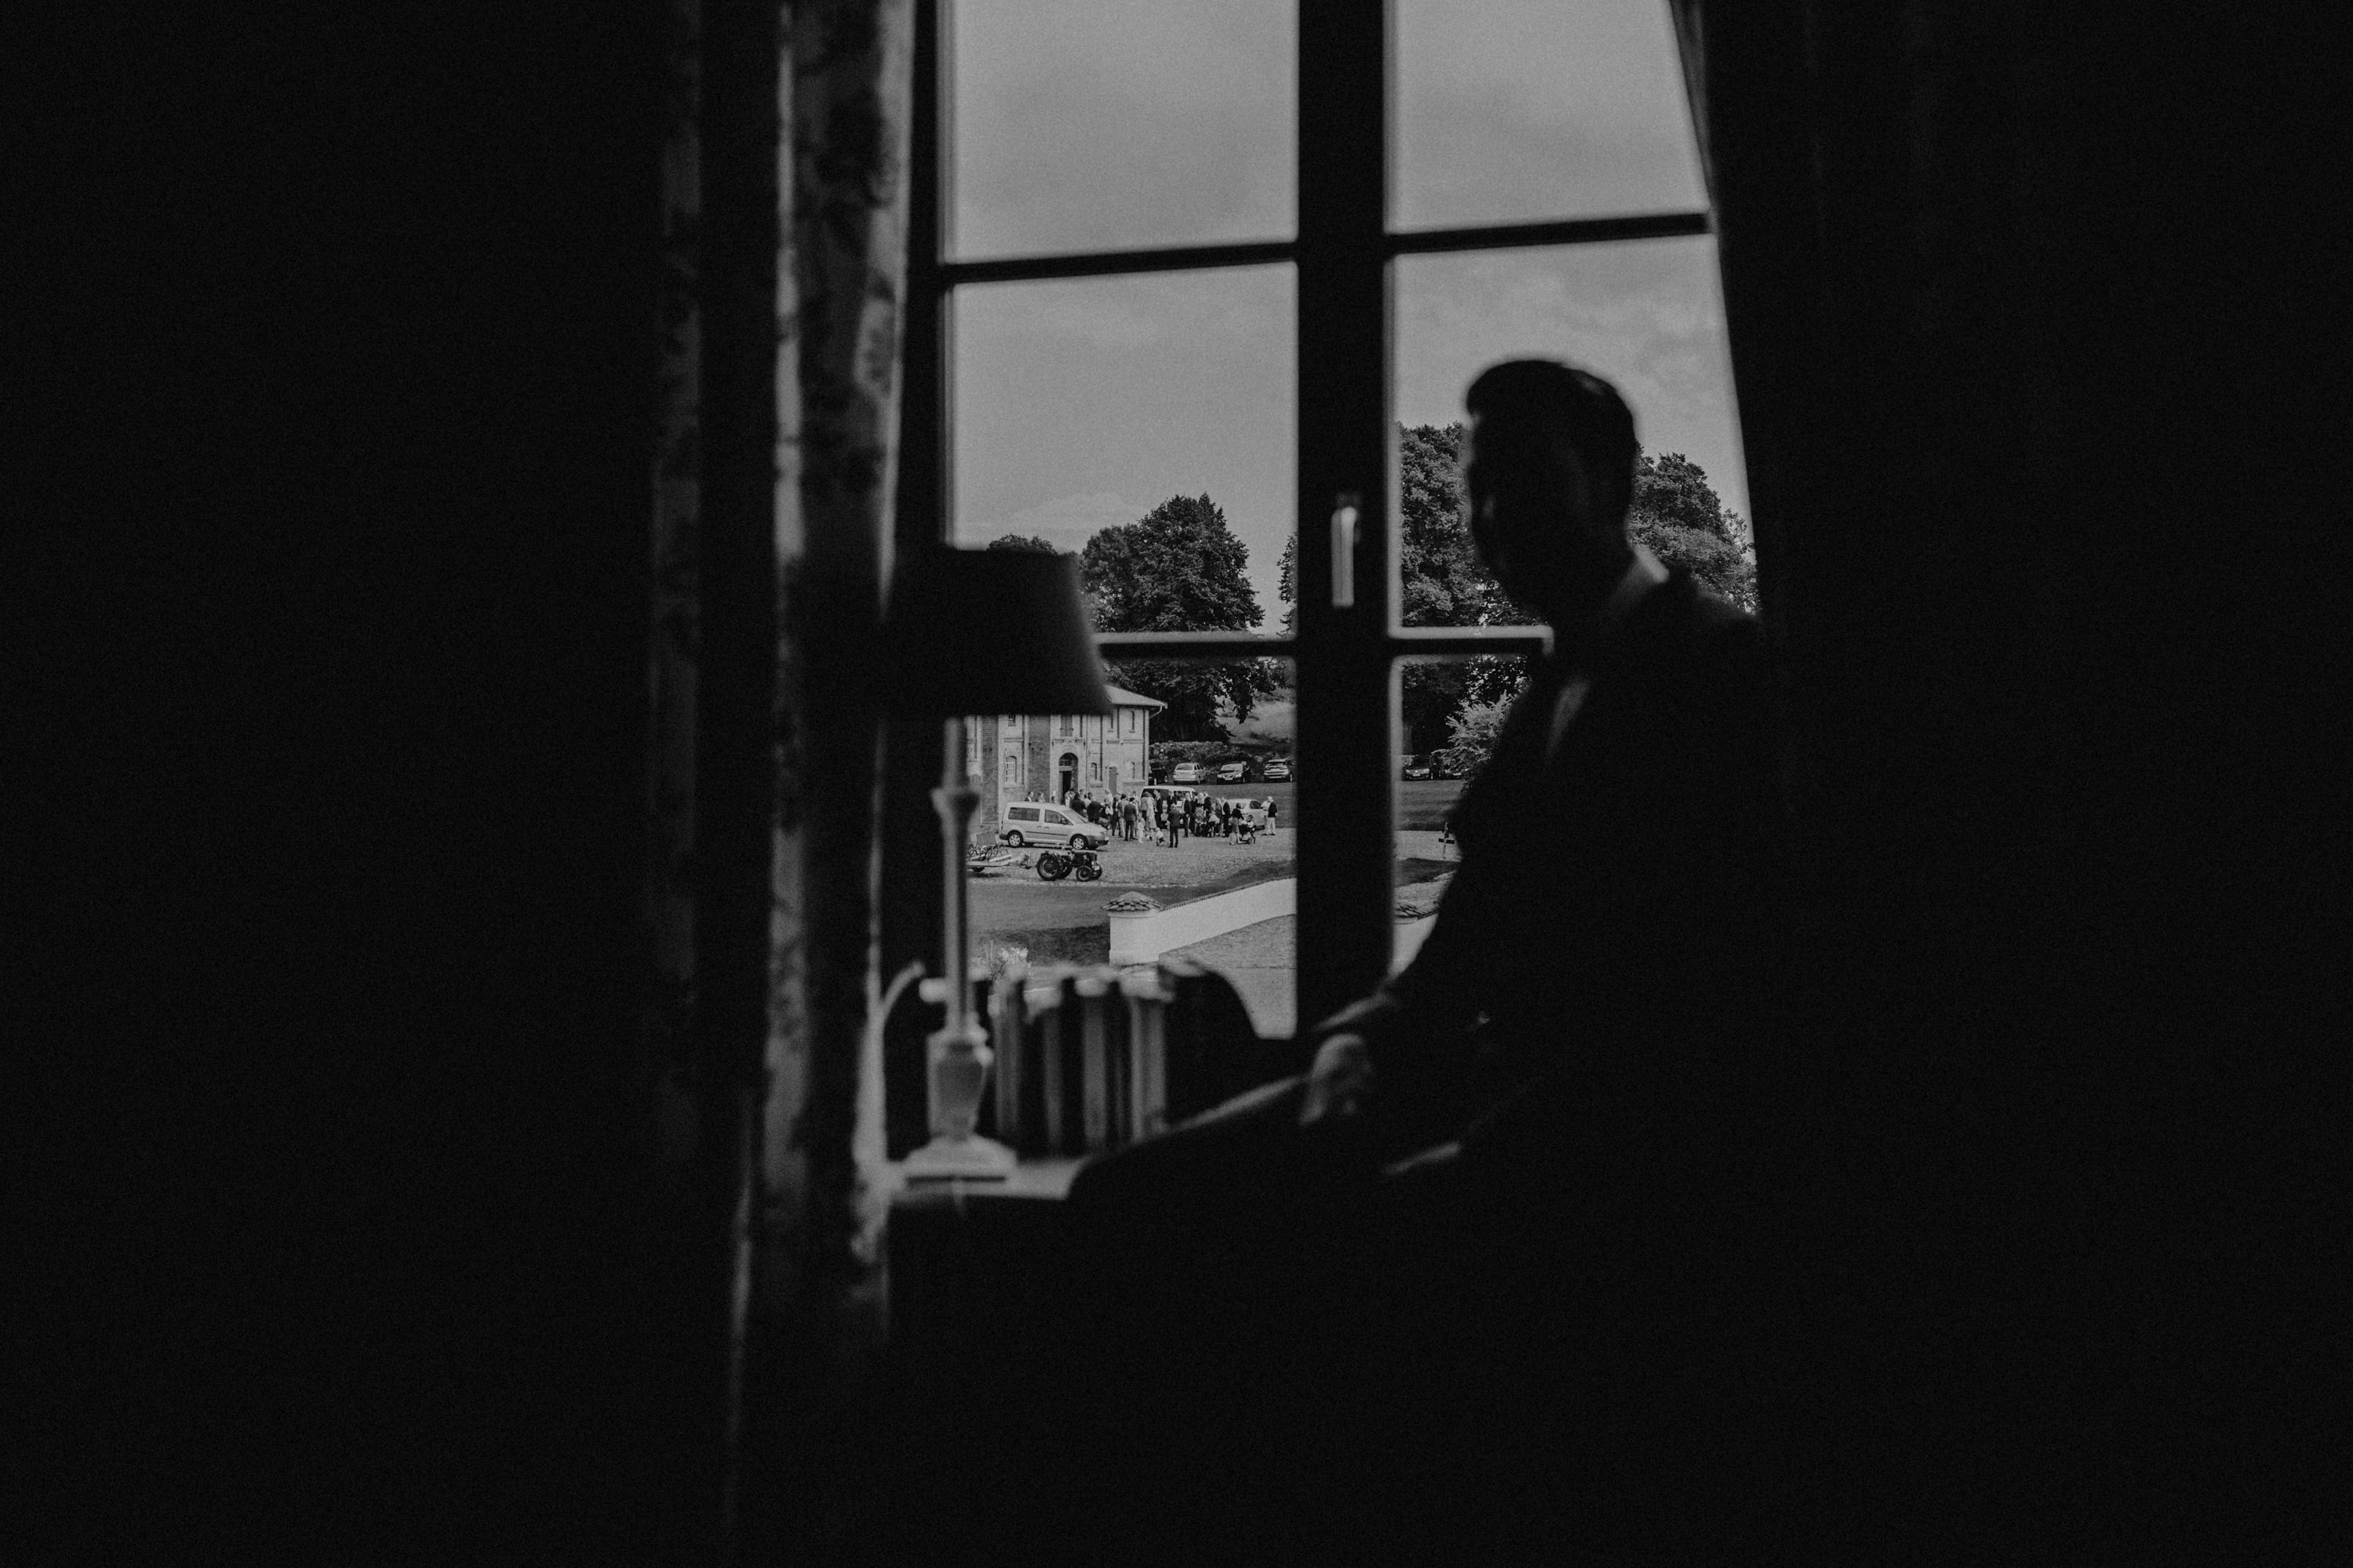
column 1675, row 512
column 1022, row 542
column 1179, row 568
column 1673, row 489
column 1286, row 587
column 1679, row 516
column 1473, row 729
column 1441, row 582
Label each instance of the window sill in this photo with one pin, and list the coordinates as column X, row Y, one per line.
column 1032, row 1181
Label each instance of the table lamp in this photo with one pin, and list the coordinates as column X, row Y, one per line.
column 978, row 632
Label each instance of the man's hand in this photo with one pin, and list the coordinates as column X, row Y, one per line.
column 1340, row 1084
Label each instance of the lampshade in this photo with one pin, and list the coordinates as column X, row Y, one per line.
column 989, row 631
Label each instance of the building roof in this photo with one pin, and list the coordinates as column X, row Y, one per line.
column 1122, row 698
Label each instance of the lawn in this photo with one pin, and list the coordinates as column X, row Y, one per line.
column 1063, row 922
column 1420, row 803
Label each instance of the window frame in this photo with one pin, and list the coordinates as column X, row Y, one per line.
column 1345, row 655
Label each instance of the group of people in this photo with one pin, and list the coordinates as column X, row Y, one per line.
column 1166, row 820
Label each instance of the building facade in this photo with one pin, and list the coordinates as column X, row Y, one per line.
column 1026, row 756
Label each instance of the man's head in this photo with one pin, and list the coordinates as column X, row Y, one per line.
column 1549, row 471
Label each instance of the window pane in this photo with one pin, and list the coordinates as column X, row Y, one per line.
column 1647, row 317
column 1084, row 405
column 1447, row 712
column 1513, row 111
column 1225, row 895
column 1102, row 124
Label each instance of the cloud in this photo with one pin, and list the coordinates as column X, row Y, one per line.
column 1647, row 316
column 1086, row 123
column 1089, row 123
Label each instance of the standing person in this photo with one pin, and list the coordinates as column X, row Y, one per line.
column 1505, row 1226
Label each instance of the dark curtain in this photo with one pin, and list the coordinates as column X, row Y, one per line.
column 784, row 214
column 2021, row 312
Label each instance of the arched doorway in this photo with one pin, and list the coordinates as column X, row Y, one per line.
column 1069, row 772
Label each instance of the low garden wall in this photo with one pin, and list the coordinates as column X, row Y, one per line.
column 1141, row 931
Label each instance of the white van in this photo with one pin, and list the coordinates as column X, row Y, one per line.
column 1036, row 822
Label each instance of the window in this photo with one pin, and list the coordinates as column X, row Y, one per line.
column 1545, row 199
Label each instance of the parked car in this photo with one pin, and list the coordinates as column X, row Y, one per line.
column 1036, row 822
column 1187, row 772
column 1280, row 768
column 1232, row 773
column 1411, row 766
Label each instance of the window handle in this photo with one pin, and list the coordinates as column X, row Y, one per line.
column 1344, row 551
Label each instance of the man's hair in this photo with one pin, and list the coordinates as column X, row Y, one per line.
column 1599, row 424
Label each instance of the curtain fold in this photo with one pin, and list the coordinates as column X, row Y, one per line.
column 674, row 608
column 847, row 76
column 784, row 202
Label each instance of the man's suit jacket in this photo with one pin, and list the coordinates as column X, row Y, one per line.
column 1611, row 945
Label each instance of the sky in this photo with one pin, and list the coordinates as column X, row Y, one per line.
column 1088, row 125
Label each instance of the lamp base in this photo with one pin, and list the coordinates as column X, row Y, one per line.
column 973, row 1159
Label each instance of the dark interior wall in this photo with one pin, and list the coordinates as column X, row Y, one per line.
column 343, row 335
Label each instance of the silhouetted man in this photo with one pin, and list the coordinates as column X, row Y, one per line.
column 1499, row 1225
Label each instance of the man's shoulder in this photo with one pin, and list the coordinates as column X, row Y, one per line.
column 1689, row 623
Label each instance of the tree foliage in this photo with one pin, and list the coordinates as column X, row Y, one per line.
column 1472, row 730
column 1286, row 587
column 1022, row 542
column 1179, row 568
column 1675, row 512
column 1679, row 516
column 1441, row 582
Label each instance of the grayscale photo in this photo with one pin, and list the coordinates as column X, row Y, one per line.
column 1225, row 782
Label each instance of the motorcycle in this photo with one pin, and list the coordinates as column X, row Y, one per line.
column 1054, row 864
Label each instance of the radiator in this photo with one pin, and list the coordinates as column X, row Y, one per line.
column 1089, row 1057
